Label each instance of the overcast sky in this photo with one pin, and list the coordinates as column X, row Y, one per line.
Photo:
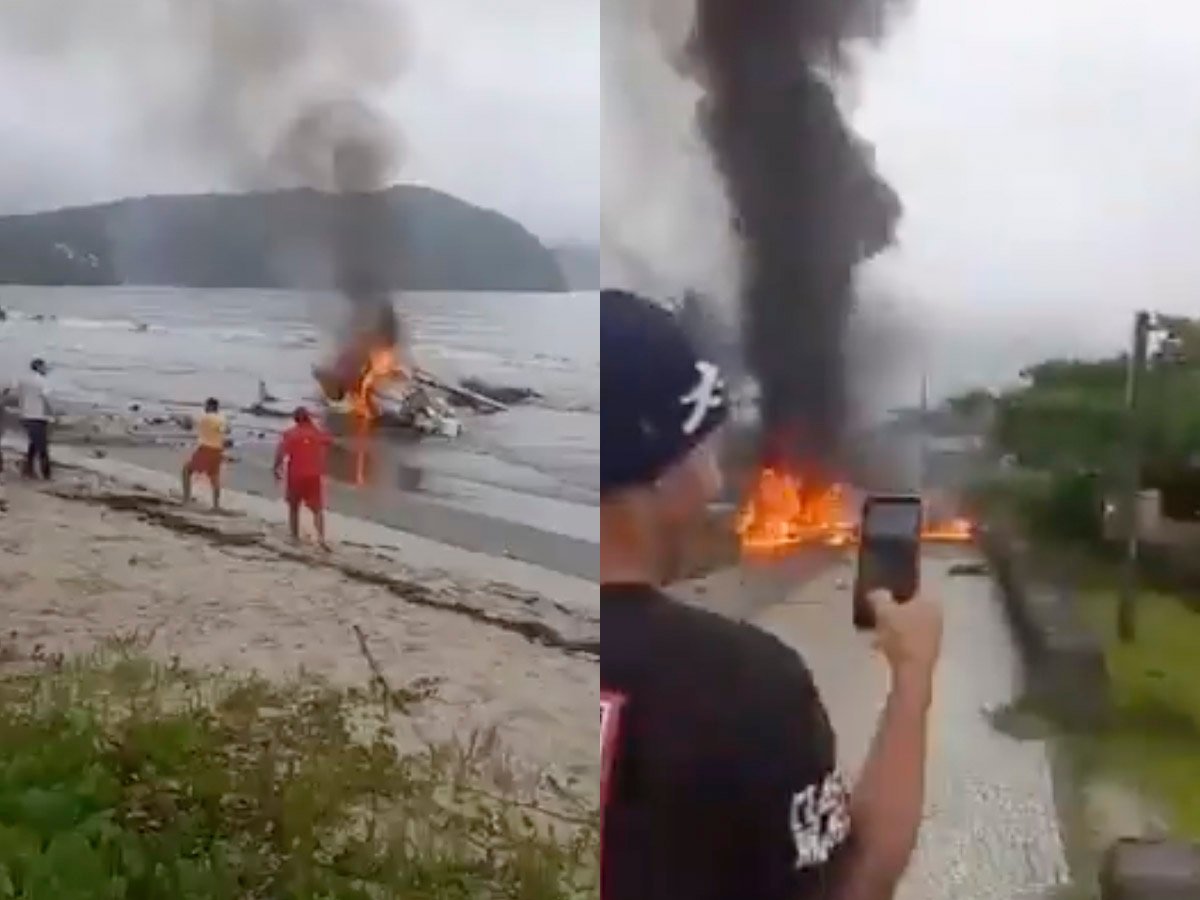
column 499, row 102
column 503, row 104
column 1048, row 156
column 1048, row 153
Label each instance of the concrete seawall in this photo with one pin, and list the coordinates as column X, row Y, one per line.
column 1066, row 676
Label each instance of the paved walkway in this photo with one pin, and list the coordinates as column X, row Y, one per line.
column 991, row 829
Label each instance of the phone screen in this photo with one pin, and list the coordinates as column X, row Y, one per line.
column 889, row 552
column 896, row 519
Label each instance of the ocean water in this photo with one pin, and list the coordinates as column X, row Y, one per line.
column 168, row 349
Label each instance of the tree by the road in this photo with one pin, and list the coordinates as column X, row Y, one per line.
column 1070, row 415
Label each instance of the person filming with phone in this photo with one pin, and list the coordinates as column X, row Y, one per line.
column 719, row 776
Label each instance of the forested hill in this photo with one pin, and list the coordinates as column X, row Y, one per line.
column 412, row 238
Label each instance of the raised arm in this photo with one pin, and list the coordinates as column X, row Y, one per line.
column 887, row 803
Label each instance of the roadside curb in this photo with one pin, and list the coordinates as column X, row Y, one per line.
column 1067, row 676
column 1151, row 870
column 1066, row 671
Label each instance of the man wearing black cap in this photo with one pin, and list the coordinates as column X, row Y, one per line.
column 719, row 772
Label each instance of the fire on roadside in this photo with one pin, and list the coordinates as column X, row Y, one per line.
column 957, row 530
column 783, row 511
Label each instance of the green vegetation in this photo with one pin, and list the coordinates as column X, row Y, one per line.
column 124, row 780
column 1154, row 745
column 1061, row 434
column 1070, row 414
column 1059, row 507
column 278, row 240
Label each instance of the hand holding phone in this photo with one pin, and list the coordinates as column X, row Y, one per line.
column 909, row 635
column 889, row 552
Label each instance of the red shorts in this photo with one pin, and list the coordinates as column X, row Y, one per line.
column 308, row 491
column 206, row 461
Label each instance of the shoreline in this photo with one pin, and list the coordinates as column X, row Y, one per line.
column 395, row 508
column 101, row 554
column 495, row 524
column 410, row 549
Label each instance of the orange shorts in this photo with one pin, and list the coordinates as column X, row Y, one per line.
column 206, row 461
column 309, row 491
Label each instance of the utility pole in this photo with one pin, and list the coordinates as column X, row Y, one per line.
column 923, row 446
column 1132, row 478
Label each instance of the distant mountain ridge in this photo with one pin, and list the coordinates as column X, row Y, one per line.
column 415, row 238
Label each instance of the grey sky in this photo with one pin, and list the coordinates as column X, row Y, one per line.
column 499, row 103
column 504, row 106
column 1048, row 155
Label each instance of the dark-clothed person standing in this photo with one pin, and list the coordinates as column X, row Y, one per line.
column 36, row 412
column 719, row 772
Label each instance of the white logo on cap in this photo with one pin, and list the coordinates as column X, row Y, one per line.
column 707, row 394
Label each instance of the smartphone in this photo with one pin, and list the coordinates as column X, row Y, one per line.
column 889, row 551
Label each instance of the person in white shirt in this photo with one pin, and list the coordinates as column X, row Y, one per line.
column 36, row 411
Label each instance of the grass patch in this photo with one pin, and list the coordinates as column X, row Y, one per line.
column 122, row 779
column 1154, row 745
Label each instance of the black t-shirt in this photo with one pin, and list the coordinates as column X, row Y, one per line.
column 719, row 764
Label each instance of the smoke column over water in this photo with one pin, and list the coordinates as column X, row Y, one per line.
column 348, row 140
column 797, row 204
column 247, row 94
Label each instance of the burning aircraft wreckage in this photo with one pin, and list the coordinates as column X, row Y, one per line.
column 371, row 381
column 371, row 384
column 783, row 512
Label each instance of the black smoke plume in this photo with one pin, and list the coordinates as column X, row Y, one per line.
column 347, row 146
column 254, row 95
column 808, row 203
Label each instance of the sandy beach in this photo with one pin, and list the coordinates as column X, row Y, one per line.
column 534, row 529
column 103, row 552
column 543, row 531
column 131, row 367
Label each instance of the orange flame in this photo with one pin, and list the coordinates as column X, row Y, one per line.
column 782, row 511
column 381, row 367
column 958, row 530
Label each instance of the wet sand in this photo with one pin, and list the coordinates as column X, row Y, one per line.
column 531, row 539
column 92, row 557
column 546, row 531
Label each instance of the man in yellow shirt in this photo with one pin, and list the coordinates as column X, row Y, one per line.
column 206, row 459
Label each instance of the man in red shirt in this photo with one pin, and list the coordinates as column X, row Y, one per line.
column 304, row 447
